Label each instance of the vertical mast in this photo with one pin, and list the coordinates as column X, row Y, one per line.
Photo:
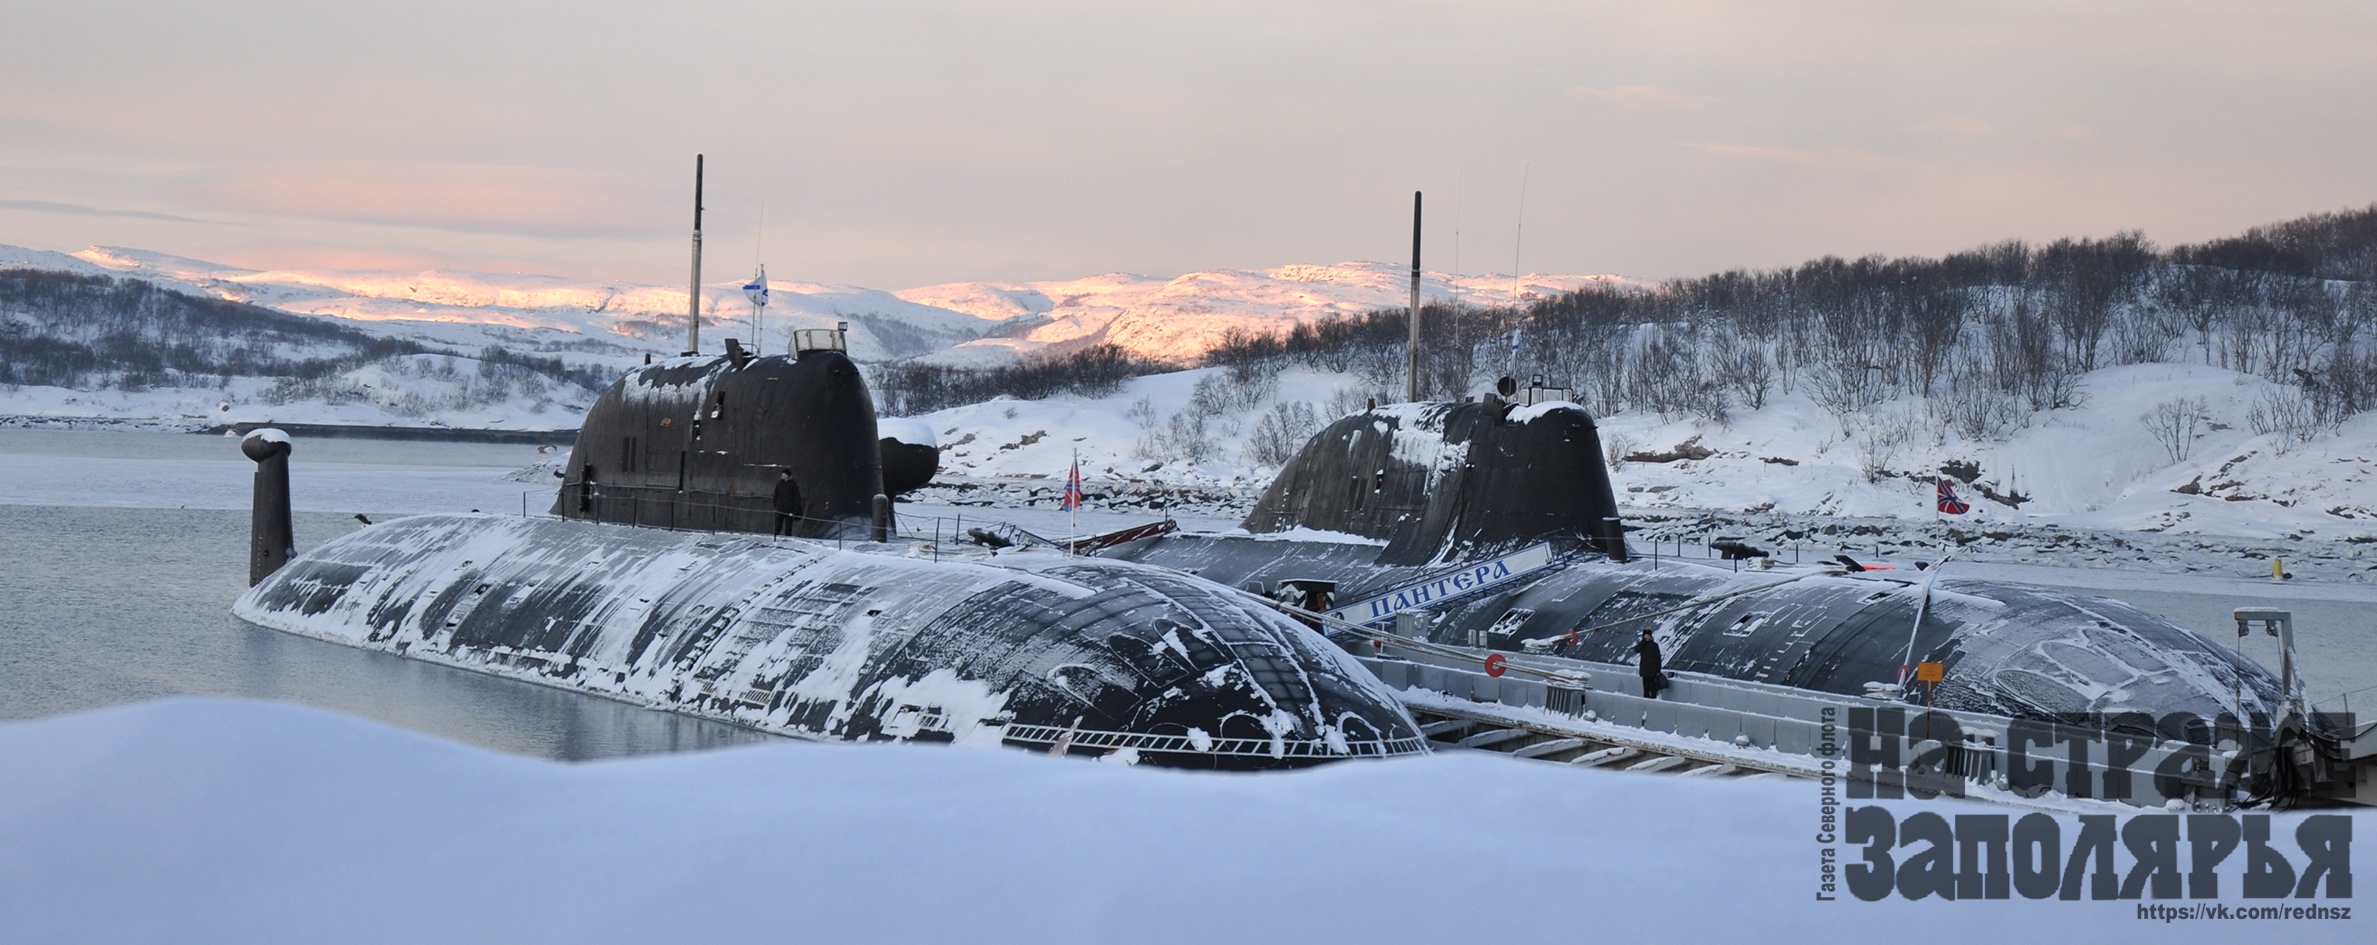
column 693, row 310
column 1411, row 365
column 759, row 247
column 757, row 291
column 1519, row 239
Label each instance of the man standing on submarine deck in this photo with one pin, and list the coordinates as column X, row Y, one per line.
column 788, row 502
column 1652, row 668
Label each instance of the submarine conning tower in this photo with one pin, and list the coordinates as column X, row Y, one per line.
column 697, row 443
column 1442, row 479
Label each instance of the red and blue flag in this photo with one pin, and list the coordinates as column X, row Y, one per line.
column 1073, row 488
column 1949, row 503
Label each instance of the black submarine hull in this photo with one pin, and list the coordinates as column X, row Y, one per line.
column 1414, row 490
column 1039, row 650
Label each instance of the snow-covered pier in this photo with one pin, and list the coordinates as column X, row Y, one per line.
column 1594, row 714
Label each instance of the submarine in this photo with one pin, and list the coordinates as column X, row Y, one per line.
column 1493, row 526
column 658, row 579
column 723, row 544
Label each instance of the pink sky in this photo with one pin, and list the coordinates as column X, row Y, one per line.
column 914, row 143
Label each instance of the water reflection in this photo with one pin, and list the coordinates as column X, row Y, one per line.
column 103, row 606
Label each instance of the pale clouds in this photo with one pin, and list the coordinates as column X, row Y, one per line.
column 1642, row 95
column 546, row 201
column 929, row 142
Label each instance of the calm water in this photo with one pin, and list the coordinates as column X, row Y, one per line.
column 102, row 606
column 121, row 444
column 2333, row 640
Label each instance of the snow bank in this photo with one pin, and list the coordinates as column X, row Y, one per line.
column 202, row 820
column 2091, row 466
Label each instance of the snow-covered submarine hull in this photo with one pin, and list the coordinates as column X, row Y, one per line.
column 1415, row 490
column 867, row 643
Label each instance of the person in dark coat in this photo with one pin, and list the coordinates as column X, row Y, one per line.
column 788, row 502
column 1651, row 667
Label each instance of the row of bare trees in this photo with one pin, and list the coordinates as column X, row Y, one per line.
column 1983, row 339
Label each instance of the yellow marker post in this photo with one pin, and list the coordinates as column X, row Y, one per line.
column 1930, row 674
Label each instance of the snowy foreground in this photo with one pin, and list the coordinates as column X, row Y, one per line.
column 206, row 820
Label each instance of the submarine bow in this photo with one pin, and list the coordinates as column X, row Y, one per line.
column 1037, row 649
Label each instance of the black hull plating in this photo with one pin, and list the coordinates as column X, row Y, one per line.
column 1436, row 484
column 1040, row 650
column 2008, row 650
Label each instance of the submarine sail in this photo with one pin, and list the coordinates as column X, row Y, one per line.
column 700, row 443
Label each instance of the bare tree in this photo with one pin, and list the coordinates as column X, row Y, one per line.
column 1879, row 436
column 2285, row 411
column 1281, row 432
column 1977, row 405
column 1346, row 401
column 2176, row 423
column 1616, row 447
column 1741, row 365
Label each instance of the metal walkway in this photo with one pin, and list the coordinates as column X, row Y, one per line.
column 1574, row 712
column 1453, row 728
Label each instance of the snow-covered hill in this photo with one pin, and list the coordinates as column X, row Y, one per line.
column 2097, row 465
column 973, row 323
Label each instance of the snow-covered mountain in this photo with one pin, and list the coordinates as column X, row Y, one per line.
column 454, row 306
column 970, row 323
column 1174, row 319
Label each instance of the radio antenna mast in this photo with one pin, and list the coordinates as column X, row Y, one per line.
column 1411, row 360
column 1519, row 239
column 757, row 289
column 693, row 307
column 1460, row 181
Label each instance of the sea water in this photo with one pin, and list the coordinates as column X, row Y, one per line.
column 109, row 602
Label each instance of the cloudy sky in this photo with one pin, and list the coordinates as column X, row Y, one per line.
column 896, row 143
